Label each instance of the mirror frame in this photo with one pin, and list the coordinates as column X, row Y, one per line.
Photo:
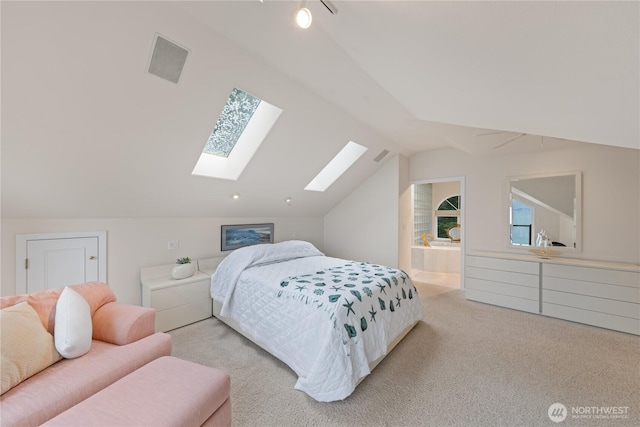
column 578, row 210
column 454, row 238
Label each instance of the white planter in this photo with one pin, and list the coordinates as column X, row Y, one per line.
column 182, row 271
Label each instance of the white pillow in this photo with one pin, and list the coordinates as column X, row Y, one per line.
column 73, row 329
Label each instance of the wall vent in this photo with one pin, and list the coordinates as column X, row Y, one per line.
column 381, row 156
column 167, row 59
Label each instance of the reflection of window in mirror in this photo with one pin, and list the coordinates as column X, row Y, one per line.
column 447, row 215
column 521, row 222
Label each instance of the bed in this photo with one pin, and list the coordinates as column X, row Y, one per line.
column 330, row 320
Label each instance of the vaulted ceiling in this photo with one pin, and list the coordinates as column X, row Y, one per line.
column 87, row 132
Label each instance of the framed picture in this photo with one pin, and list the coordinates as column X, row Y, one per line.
column 237, row 236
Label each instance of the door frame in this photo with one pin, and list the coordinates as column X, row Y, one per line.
column 21, row 253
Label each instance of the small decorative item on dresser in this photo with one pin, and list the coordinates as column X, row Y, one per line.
column 184, row 268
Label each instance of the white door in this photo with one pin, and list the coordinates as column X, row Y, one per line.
column 53, row 261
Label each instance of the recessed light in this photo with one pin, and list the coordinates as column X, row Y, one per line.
column 304, row 18
column 235, row 196
column 288, row 201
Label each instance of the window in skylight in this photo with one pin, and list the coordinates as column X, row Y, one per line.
column 337, row 166
column 243, row 124
column 232, row 121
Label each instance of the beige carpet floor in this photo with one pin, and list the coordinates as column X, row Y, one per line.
column 465, row 364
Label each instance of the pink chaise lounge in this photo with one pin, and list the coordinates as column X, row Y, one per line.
column 165, row 392
column 124, row 340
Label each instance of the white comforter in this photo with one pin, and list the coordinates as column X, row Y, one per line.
column 329, row 345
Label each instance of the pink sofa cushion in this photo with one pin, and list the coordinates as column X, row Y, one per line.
column 44, row 302
column 121, row 324
column 167, row 391
column 26, row 347
column 68, row 382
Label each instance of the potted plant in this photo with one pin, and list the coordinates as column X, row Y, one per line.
column 183, row 269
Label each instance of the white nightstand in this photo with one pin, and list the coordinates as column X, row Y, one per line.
column 177, row 302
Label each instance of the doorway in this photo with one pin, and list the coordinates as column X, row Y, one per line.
column 437, row 253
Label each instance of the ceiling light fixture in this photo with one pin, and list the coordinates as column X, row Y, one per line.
column 330, row 7
column 235, row 196
column 288, row 201
column 303, row 18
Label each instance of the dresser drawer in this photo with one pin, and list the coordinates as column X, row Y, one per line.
column 520, row 279
column 584, row 302
column 597, row 275
column 504, row 282
column 502, row 300
column 602, row 297
column 594, row 289
column 526, row 292
column 603, row 320
column 503, row 264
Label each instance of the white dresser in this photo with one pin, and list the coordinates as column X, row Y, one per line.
column 604, row 294
column 509, row 283
column 597, row 295
column 177, row 302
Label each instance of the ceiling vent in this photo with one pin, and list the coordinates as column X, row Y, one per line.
column 381, row 156
column 167, row 59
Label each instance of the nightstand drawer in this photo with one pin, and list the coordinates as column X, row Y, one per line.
column 182, row 315
column 162, row 299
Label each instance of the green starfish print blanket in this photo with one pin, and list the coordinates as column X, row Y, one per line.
column 354, row 295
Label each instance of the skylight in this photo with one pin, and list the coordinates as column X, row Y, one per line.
column 243, row 124
column 336, row 167
column 232, row 121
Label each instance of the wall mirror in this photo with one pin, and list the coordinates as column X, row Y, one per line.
column 454, row 233
column 546, row 203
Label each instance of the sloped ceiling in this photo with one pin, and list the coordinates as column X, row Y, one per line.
column 555, row 68
column 86, row 132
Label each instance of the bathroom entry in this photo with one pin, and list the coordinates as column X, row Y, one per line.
column 436, row 254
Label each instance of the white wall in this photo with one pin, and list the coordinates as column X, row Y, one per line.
column 610, row 183
column 365, row 226
column 142, row 242
column 405, row 223
column 442, row 191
